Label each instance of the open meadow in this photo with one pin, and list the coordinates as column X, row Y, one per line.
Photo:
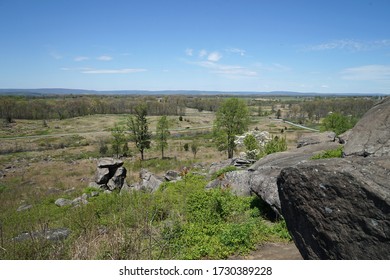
column 44, row 159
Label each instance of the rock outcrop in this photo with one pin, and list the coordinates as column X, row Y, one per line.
column 371, row 135
column 261, row 177
column 340, row 208
column 110, row 175
column 57, row 234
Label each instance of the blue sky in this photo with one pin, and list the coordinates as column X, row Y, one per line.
column 231, row 45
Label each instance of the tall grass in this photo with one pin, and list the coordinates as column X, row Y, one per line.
column 180, row 221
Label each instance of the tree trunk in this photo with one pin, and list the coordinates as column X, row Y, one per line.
column 142, row 154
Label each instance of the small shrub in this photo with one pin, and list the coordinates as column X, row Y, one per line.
column 223, row 171
column 336, row 153
column 186, row 147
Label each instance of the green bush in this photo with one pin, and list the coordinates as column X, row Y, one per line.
column 223, row 171
column 277, row 144
column 336, row 153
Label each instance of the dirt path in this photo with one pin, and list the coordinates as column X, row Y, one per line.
column 272, row 251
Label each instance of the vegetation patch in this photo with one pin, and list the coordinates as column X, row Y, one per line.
column 335, row 153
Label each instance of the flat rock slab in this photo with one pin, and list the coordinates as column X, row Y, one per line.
column 109, row 163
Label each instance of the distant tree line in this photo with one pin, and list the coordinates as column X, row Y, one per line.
column 70, row 106
column 318, row 108
column 75, row 106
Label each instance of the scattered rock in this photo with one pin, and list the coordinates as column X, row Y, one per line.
column 61, row 202
column 172, row 175
column 24, row 207
column 148, row 181
column 50, row 234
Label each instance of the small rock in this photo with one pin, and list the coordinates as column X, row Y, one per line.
column 24, row 207
column 61, row 202
column 172, row 175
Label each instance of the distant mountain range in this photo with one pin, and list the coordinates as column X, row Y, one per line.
column 64, row 91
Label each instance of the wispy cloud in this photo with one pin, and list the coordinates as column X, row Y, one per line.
column 202, row 53
column 113, row 71
column 236, row 51
column 189, row 52
column 367, row 73
column 214, row 56
column 104, row 58
column 350, row 45
column 55, row 55
column 80, row 58
column 232, row 71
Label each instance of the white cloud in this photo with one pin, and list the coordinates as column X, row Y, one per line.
column 189, row 52
column 81, row 58
column 104, row 58
column 113, row 71
column 214, row 56
column 367, row 73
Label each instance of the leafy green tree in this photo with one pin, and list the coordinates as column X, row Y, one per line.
column 194, row 148
column 337, row 123
column 232, row 119
column 138, row 126
column 252, row 146
column 162, row 134
column 277, row 144
column 250, row 142
column 118, row 138
column 278, row 114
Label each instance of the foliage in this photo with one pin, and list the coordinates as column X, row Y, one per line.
column 337, row 123
column 162, row 134
column 194, row 148
column 251, row 143
column 223, row 171
column 186, row 147
column 277, row 144
column 232, row 118
column 118, row 139
column 138, row 126
column 336, row 153
column 181, row 220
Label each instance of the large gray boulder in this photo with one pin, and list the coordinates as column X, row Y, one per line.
column 148, row 181
column 338, row 208
column 371, row 135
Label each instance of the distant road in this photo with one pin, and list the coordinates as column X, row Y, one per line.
column 297, row 125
